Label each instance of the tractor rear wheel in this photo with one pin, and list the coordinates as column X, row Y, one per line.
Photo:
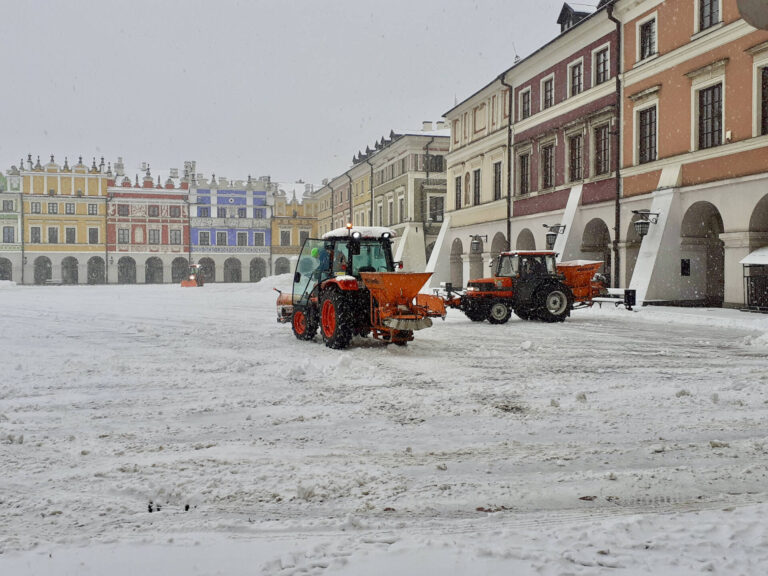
column 499, row 312
column 524, row 313
column 553, row 303
column 304, row 326
column 475, row 314
column 336, row 323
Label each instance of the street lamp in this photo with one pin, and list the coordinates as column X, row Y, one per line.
column 643, row 223
column 552, row 233
column 474, row 245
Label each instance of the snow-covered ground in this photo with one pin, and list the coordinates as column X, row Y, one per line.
column 631, row 440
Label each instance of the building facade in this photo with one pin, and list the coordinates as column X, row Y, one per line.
column 293, row 221
column 11, row 255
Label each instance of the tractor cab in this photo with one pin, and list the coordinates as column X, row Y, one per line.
column 524, row 265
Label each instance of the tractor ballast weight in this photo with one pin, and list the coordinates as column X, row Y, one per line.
column 532, row 285
column 345, row 284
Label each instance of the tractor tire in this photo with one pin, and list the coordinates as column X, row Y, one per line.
column 553, row 303
column 475, row 314
column 304, row 325
column 336, row 321
column 499, row 312
column 524, row 313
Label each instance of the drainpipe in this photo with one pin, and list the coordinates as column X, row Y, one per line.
column 617, row 138
column 367, row 161
column 503, row 79
column 350, row 197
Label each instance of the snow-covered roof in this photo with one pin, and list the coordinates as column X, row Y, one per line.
column 759, row 256
column 365, row 232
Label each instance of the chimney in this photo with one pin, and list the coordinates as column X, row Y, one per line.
column 440, row 125
column 426, row 126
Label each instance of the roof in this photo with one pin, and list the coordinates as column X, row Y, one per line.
column 365, row 232
column 756, row 257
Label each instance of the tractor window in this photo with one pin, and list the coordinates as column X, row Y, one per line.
column 508, row 266
column 312, row 266
column 551, row 265
column 372, row 258
column 340, row 259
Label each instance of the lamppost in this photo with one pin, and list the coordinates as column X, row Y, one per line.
column 552, row 233
column 474, row 245
column 643, row 223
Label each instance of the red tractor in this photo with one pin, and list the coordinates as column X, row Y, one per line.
column 345, row 284
column 532, row 285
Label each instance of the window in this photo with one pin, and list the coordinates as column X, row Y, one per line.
column 497, row 181
column 241, row 213
column 7, row 205
column 122, row 210
column 204, row 238
column 525, row 174
column 648, row 39
column 35, row 207
column 258, row 213
column 434, row 163
column 576, row 79
column 203, row 212
column 8, row 234
column 123, row 236
column 548, row 93
column 709, row 13
column 69, row 235
column 258, row 238
column 153, row 211
column 710, row 116
column 153, row 236
column 647, row 135
column 764, row 101
column 390, row 212
column 303, row 235
column 381, row 214
column 93, row 209
column 174, row 211
column 458, row 192
column 53, row 208
column 285, row 237
column 401, row 208
column 93, row 235
column 548, row 166
column 221, row 239
column 602, row 158
column 34, row 235
column 242, row 238
column 602, row 66
column 69, row 208
column 53, row 235
column 476, row 187
column 436, row 208
column 525, row 104
column 221, row 212
column 574, row 157
column 174, row 237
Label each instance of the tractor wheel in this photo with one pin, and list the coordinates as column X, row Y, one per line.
column 499, row 312
column 475, row 314
column 553, row 303
column 304, row 326
column 524, row 313
column 335, row 320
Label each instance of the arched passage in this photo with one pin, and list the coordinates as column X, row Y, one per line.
column 96, row 270
column 258, row 269
column 282, row 266
column 596, row 245
column 525, row 240
column 758, row 225
column 457, row 263
column 69, row 273
column 6, row 269
column 178, row 269
column 208, row 270
column 126, row 270
column 153, row 271
column 701, row 245
column 43, row 269
column 233, row 270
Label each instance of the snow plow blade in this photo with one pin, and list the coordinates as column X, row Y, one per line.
column 186, row 283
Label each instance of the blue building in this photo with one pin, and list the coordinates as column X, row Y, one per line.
column 230, row 233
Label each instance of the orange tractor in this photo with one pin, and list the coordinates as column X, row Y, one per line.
column 532, row 285
column 194, row 277
column 345, row 284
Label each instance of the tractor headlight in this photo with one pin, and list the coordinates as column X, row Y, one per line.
column 356, row 235
column 473, row 289
column 386, row 235
column 191, row 277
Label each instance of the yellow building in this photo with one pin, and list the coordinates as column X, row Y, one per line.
column 292, row 223
column 64, row 220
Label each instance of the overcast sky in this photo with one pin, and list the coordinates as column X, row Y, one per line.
column 288, row 88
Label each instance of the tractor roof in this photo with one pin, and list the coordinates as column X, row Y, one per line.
column 375, row 232
column 530, row 253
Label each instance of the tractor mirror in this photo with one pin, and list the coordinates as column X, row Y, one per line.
column 297, row 277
